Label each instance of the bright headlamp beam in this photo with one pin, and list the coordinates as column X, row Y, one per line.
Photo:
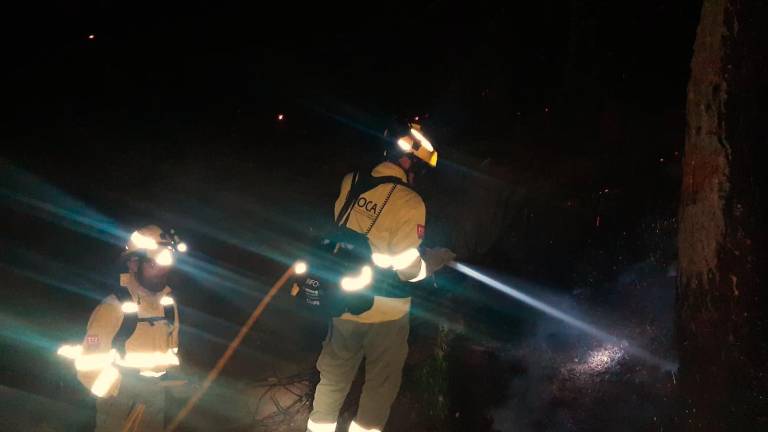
column 404, row 144
column 143, row 242
column 164, row 258
column 562, row 316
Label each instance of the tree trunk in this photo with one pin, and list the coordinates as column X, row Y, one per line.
column 722, row 329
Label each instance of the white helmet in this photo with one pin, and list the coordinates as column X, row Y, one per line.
column 154, row 243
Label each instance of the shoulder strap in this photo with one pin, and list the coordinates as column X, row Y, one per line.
column 362, row 183
column 389, row 179
column 169, row 316
column 128, row 325
column 352, row 194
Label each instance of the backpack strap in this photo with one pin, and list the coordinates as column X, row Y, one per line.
column 169, row 315
column 131, row 320
column 129, row 323
column 361, row 184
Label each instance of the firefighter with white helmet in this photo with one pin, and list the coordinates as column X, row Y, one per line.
column 392, row 217
column 132, row 338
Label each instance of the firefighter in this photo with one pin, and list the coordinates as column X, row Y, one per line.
column 132, row 338
column 392, row 216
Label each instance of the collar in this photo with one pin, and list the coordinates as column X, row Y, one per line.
column 128, row 281
column 389, row 169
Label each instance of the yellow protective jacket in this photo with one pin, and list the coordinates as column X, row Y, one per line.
column 150, row 350
column 394, row 238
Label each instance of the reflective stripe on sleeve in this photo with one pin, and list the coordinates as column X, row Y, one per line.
column 397, row 262
column 95, row 361
column 104, row 382
column 70, row 351
column 354, row 427
column 422, row 273
column 321, row 427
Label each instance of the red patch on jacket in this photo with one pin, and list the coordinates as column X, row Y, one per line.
column 92, row 340
column 420, row 231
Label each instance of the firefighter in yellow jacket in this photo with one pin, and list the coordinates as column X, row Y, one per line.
column 132, row 337
column 393, row 218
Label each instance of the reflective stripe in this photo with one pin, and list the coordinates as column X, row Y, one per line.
column 321, row 427
column 358, row 282
column 95, row 361
column 104, row 360
column 149, row 360
column 70, row 351
column 422, row 273
column 381, row 260
column 399, row 261
column 105, row 381
column 405, row 259
column 129, row 307
column 422, row 139
column 142, row 241
column 354, row 427
column 87, row 362
column 101, row 360
column 152, row 374
column 166, row 301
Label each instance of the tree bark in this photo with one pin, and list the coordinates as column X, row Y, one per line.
column 722, row 330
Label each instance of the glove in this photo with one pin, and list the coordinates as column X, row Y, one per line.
column 437, row 258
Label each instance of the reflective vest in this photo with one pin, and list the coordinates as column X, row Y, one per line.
column 131, row 331
column 394, row 237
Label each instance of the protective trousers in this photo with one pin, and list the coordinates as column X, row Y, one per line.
column 113, row 412
column 384, row 346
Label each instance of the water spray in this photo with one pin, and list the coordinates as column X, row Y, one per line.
column 590, row 329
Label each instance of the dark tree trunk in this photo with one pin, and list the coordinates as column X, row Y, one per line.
column 722, row 307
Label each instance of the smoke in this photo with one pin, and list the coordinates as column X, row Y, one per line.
column 576, row 361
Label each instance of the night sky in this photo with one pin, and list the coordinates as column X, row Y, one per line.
column 185, row 73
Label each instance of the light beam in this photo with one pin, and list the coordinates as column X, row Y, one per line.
column 568, row 319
